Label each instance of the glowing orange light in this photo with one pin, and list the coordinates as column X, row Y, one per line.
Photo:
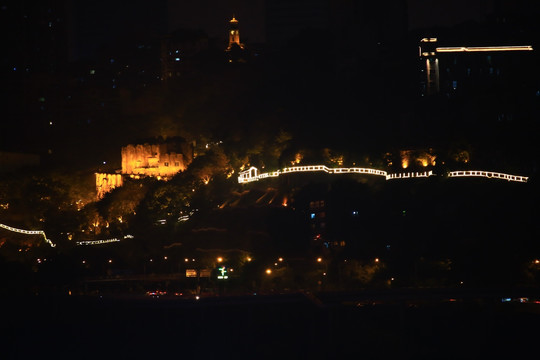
column 219, row 259
column 404, row 163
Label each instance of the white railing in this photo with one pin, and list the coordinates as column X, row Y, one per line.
column 409, row 175
column 252, row 174
column 29, row 232
column 105, row 241
column 488, row 174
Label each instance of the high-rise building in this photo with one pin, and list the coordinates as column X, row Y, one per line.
column 449, row 69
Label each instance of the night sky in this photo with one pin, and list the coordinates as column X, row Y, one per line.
column 97, row 22
column 101, row 22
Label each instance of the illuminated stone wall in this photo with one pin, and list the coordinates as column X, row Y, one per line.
column 162, row 160
column 107, row 182
column 158, row 160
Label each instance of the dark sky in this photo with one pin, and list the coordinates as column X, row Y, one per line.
column 431, row 13
column 102, row 20
column 213, row 17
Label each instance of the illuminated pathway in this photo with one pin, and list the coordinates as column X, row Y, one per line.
column 252, row 174
column 106, row 241
column 28, row 232
column 40, row 232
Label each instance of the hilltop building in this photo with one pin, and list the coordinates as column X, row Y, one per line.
column 162, row 160
column 235, row 50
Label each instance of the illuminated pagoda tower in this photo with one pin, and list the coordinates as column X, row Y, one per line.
column 235, row 49
column 234, row 35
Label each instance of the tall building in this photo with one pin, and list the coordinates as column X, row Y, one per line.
column 178, row 50
column 449, row 69
column 161, row 159
column 288, row 19
column 235, row 50
column 234, row 35
column 479, row 88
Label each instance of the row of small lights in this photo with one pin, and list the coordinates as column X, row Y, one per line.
column 29, row 232
column 105, row 241
column 41, row 232
column 245, row 176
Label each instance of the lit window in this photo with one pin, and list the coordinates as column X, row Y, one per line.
column 312, row 215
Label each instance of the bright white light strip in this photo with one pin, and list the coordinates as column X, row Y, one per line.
column 409, row 175
column 28, row 232
column 488, row 174
column 246, row 177
column 484, row 48
column 106, row 241
column 97, row 242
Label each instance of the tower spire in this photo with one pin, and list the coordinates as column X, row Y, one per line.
column 234, row 34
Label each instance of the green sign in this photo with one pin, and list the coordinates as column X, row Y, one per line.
column 222, row 273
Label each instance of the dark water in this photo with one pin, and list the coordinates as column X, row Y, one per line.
column 264, row 327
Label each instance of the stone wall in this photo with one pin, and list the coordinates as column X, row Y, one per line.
column 107, row 182
column 162, row 160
